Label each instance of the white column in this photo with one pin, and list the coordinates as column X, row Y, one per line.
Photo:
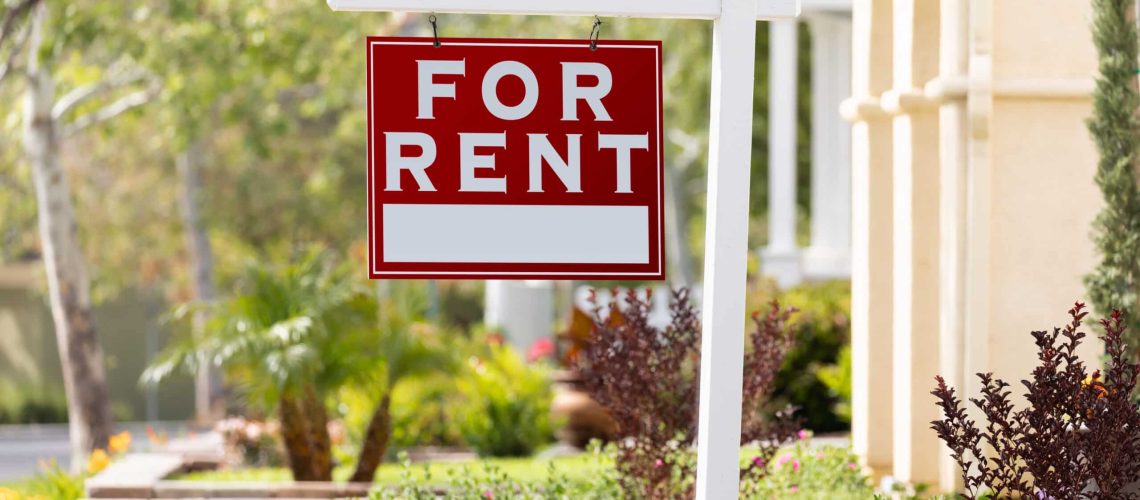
column 522, row 310
column 949, row 90
column 872, row 380
column 726, row 251
column 781, row 258
column 829, row 255
column 916, row 256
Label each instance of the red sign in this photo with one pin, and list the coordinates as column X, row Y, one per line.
column 515, row 159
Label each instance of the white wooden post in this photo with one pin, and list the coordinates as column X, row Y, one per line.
column 726, row 251
column 726, row 240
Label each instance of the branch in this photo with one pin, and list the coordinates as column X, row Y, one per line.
column 12, row 16
column 82, row 93
column 110, row 111
column 17, row 47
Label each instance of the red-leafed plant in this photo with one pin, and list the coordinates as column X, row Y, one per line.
column 647, row 379
column 1077, row 437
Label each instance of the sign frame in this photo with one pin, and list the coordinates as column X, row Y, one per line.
column 651, row 270
column 726, row 241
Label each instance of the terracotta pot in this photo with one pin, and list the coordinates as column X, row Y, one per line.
column 584, row 419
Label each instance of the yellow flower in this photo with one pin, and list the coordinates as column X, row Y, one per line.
column 1095, row 381
column 119, row 442
column 99, row 460
column 8, row 494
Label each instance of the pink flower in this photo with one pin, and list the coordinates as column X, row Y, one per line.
column 851, row 466
column 785, row 458
column 540, row 349
column 796, row 466
column 488, row 494
column 803, row 434
column 757, row 461
column 819, row 455
column 793, row 489
column 658, row 464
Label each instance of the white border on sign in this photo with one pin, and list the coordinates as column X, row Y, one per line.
column 660, row 167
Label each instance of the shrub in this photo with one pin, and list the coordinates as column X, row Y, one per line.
column 811, row 472
column 422, row 413
column 647, row 378
column 493, row 482
column 1078, row 430
column 800, row 470
column 256, row 442
column 822, row 329
column 506, row 407
column 1115, row 129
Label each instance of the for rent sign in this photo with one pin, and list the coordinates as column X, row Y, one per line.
column 515, row 159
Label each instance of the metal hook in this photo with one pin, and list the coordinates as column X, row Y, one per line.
column 594, row 32
column 434, row 29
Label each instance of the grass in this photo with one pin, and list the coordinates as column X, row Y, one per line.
column 581, row 466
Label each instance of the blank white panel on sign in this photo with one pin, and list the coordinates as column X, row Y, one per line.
column 516, row 233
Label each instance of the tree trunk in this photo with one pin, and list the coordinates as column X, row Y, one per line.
column 295, row 434
column 207, row 386
column 81, row 355
column 318, row 418
column 375, row 442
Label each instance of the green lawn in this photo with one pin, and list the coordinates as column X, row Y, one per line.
column 576, row 467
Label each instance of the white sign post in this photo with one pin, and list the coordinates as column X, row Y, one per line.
column 726, row 235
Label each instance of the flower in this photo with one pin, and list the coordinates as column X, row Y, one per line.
column 796, row 465
column 658, row 464
column 540, row 349
column 98, row 461
column 1095, row 381
column 785, row 458
column 819, row 455
column 757, row 461
column 851, row 465
column 488, row 494
column 793, row 489
column 119, row 443
column 155, row 438
column 495, row 339
column 8, row 494
column 803, row 434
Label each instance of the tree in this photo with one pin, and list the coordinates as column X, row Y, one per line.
column 1115, row 129
column 293, row 335
column 48, row 121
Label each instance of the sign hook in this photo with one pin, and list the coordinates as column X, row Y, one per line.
column 594, row 32
column 434, row 29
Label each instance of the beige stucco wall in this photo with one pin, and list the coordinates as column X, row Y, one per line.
column 1009, row 83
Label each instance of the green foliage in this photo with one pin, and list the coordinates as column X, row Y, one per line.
column 822, row 472
column 34, row 406
column 810, row 472
column 837, row 378
column 493, row 482
column 1116, row 131
column 51, row 482
column 813, row 377
column 422, row 413
column 506, row 407
column 287, row 326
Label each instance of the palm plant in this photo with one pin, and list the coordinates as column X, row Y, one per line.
column 294, row 334
column 405, row 354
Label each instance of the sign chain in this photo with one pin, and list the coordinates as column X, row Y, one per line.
column 594, row 32
column 434, row 29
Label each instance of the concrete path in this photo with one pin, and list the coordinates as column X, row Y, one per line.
column 23, row 446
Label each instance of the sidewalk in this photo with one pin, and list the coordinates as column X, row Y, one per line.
column 23, row 446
